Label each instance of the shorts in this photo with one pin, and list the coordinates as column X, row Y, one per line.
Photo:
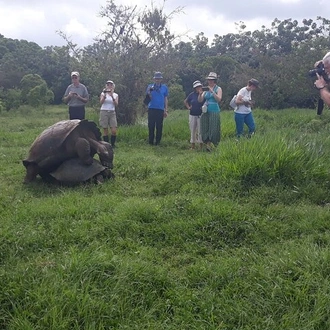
column 108, row 118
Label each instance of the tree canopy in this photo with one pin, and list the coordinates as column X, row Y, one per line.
column 138, row 41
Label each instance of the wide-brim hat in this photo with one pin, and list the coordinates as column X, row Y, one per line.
column 212, row 76
column 254, row 82
column 197, row 83
column 158, row 75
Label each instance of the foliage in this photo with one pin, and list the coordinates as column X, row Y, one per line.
column 138, row 41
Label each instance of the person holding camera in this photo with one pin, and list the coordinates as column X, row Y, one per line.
column 210, row 120
column 108, row 118
column 195, row 112
column 157, row 108
column 243, row 111
column 323, row 78
column 76, row 96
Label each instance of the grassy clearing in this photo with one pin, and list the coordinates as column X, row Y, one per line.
column 234, row 239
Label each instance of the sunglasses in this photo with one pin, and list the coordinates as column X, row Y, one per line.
column 74, row 77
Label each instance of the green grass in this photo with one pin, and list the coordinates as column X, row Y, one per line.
column 234, row 239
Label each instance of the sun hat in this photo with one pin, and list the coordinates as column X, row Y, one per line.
column 75, row 73
column 197, row 83
column 158, row 75
column 212, row 76
column 110, row 82
column 254, row 82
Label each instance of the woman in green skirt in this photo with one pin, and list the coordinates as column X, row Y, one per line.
column 210, row 120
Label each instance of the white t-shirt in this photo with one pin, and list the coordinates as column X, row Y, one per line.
column 246, row 96
column 108, row 103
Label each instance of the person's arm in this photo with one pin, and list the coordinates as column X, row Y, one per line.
column 115, row 99
column 186, row 103
column 67, row 95
column 217, row 95
column 82, row 98
column 102, row 98
column 166, row 103
column 201, row 97
column 322, row 86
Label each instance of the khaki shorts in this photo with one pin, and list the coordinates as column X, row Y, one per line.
column 108, row 118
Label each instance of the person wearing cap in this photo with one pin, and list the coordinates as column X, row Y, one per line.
column 195, row 112
column 76, row 96
column 157, row 108
column 321, row 84
column 243, row 111
column 210, row 121
column 108, row 118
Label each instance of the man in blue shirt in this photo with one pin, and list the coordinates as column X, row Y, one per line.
column 157, row 108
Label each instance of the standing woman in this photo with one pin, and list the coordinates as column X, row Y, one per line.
column 210, row 121
column 109, row 101
column 195, row 112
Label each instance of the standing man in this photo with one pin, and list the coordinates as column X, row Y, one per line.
column 323, row 84
column 76, row 96
column 243, row 111
column 157, row 108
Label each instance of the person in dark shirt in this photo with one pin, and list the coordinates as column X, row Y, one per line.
column 195, row 112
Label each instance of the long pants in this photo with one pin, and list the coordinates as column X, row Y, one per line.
column 241, row 119
column 195, row 131
column 77, row 112
column 155, row 121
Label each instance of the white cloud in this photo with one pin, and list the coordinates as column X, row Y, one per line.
column 34, row 21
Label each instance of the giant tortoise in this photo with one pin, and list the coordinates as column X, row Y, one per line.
column 65, row 140
column 73, row 172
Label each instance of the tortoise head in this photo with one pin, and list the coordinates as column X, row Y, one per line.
column 105, row 153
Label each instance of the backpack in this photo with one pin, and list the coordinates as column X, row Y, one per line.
column 232, row 103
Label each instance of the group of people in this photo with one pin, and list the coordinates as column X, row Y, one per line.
column 202, row 103
column 76, row 96
column 204, row 111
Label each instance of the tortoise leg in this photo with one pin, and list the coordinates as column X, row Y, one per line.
column 84, row 151
column 32, row 170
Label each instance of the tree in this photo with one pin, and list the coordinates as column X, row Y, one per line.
column 35, row 92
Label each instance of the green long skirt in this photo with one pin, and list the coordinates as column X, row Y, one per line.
column 210, row 127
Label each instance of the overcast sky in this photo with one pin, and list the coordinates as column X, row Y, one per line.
column 38, row 20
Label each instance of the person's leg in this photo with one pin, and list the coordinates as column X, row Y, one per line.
column 198, row 130
column 151, row 125
column 192, row 127
column 113, row 127
column 103, row 121
column 239, row 120
column 214, row 128
column 204, row 126
column 249, row 121
column 159, row 125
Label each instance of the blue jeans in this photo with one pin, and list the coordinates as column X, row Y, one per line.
column 241, row 119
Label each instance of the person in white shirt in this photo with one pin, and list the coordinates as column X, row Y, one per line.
column 243, row 111
column 108, row 118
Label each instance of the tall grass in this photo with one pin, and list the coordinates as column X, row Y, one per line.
column 233, row 239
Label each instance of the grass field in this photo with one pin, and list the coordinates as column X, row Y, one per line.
column 233, row 239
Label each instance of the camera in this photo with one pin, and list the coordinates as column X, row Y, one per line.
column 106, row 91
column 205, row 89
column 320, row 71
